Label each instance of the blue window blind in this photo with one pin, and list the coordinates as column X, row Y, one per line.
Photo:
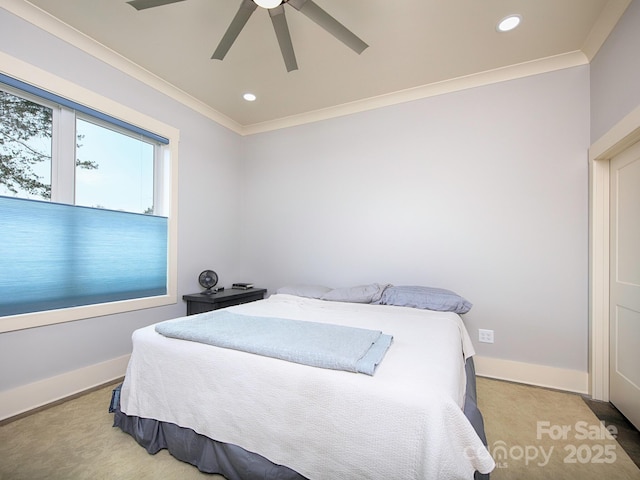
column 56, row 256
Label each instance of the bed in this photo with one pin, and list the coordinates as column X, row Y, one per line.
column 249, row 416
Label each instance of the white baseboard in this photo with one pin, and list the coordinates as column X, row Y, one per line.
column 533, row 374
column 33, row 395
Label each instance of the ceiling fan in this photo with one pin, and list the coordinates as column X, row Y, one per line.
column 279, row 21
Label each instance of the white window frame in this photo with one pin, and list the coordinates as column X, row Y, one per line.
column 167, row 204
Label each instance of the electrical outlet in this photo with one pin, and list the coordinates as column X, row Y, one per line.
column 485, row 336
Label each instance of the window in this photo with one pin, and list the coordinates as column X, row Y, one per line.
column 85, row 199
column 106, row 166
column 26, row 130
column 113, row 169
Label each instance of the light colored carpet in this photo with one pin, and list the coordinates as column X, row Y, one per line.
column 536, row 433
column 75, row 440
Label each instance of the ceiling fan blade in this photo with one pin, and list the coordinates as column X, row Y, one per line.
column 330, row 24
column 142, row 4
column 284, row 38
column 247, row 7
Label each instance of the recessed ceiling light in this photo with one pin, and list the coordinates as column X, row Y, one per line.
column 249, row 97
column 509, row 23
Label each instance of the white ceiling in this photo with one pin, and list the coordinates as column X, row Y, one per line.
column 413, row 44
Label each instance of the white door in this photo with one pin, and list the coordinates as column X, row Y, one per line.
column 625, row 283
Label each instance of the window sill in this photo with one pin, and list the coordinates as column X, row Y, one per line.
column 51, row 317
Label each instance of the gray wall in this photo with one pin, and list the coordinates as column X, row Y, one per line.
column 615, row 74
column 482, row 191
column 208, row 172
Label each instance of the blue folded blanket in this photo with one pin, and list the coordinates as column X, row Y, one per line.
column 317, row 344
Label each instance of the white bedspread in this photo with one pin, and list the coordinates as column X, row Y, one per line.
column 405, row 422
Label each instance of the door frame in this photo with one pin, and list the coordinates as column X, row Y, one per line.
column 624, row 134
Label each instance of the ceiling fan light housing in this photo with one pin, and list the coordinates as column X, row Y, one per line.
column 268, row 3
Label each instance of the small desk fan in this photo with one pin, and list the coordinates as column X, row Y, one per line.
column 208, row 279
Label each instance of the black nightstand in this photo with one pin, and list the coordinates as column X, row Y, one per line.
column 200, row 302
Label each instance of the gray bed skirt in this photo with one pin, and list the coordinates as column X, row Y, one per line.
column 234, row 462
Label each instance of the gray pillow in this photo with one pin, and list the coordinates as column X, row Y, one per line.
column 359, row 294
column 427, row 298
column 309, row 291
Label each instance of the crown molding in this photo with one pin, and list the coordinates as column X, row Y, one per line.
column 45, row 21
column 608, row 19
column 511, row 72
column 63, row 31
